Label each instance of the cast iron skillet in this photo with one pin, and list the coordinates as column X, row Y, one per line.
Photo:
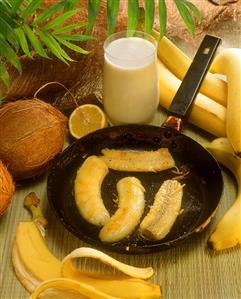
column 203, row 177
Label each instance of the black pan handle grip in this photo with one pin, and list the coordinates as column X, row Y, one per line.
column 185, row 96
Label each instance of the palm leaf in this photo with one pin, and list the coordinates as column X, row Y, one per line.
column 53, row 46
column 71, row 45
column 149, row 15
column 31, row 8
column 186, row 15
column 7, row 6
column 195, row 10
column 34, row 41
column 162, row 9
column 69, row 4
column 23, row 41
column 47, row 13
column 8, row 32
column 112, row 13
column 4, row 75
column 68, row 28
column 7, row 52
column 6, row 15
column 93, row 9
column 58, row 22
column 76, row 37
column 16, row 5
column 133, row 16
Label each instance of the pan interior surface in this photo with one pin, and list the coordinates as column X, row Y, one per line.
column 199, row 172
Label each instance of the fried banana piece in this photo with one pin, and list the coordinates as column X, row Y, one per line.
column 164, row 211
column 127, row 160
column 87, row 188
column 131, row 205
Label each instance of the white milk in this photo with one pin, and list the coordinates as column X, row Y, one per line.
column 130, row 81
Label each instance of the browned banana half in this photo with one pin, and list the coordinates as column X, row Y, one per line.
column 164, row 211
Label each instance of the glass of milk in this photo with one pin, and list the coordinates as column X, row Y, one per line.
column 130, row 85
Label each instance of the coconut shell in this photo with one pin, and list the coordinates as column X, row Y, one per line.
column 32, row 132
column 6, row 188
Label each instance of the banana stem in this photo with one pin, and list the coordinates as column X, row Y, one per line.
column 32, row 203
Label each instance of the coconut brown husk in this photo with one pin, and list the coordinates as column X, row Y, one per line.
column 32, row 132
column 6, row 188
column 84, row 76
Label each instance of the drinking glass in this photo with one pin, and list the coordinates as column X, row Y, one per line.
column 130, row 84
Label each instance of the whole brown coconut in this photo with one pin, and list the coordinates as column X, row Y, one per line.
column 6, row 188
column 32, row 132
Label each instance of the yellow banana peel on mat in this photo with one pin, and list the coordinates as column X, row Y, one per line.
column 41, row 273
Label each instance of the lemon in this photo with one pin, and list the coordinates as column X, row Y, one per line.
column 86, row 119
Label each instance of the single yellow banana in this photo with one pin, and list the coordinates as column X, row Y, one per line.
column 178, row 63
column 206, row 113
column 34, row 264
column 131, row 204
column 228, row 62
column 227, row 233
column 87, row 190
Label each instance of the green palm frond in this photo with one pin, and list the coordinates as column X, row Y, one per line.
column 149, row 15
column 93, row 9
column 25, row 29
column 187, row 10
column 112, row 13
column 162, row 10
column 133, row 16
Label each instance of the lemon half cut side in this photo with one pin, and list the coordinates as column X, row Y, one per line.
column 86, row 119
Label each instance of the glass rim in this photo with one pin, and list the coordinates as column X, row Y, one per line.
column 121, row 34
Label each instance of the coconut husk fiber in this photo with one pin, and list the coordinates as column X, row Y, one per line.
column 84, row 77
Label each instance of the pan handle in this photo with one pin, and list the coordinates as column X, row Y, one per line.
column 180, row 107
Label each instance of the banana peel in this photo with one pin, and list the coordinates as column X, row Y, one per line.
column 79, row 290
column 227, row 233
column 39, row 270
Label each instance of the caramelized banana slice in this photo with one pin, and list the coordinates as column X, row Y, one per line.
column 124, row 160
column 164, row 211
column 130, row 209
column 87, row 189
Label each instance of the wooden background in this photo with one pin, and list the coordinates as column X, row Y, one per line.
column 190, row 271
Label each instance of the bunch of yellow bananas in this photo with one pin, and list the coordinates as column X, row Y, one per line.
column 217, row 109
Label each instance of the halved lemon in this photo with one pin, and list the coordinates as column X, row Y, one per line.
column 86, row 119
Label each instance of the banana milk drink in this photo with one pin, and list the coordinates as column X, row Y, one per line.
column 130, row 80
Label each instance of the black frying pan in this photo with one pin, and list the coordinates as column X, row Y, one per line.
column 203, row 180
